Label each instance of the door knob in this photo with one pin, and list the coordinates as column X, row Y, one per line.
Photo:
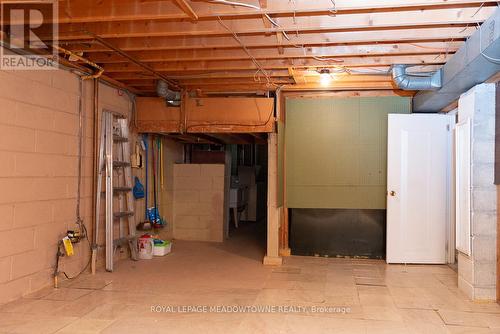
column 392, row 193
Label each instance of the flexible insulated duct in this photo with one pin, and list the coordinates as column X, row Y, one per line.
column 415, row 82
column 172, row 97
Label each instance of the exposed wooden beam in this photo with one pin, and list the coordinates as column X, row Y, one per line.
column 279, row 80
column 271, row 53
column 209, row 82
column 342, row 86
column 187, row 9
column 199, row 75
column 267, row 24
column 207, row 75
column 279, row 40
column 265, row 19
column 455, row 33
column 219, row 82
column 372, row 21
column 263, row 87
column 191, row 46
column 352, row 93
column 237, row 65
column 128, row 10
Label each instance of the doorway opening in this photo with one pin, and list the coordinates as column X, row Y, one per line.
column 248, row 194
column 245, row 160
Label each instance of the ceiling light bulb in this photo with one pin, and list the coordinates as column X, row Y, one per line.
column 325, row 77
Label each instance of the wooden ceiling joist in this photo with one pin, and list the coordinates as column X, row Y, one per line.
column 293, row 52
column 199, row 75
column 371, row 21
column 79, row 11
column 455, row 33
column 236, row 65
column 276, row 79
column 266, row 44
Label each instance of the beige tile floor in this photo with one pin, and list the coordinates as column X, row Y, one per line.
column 375, row 297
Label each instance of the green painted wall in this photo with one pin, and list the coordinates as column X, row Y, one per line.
column 336, row 151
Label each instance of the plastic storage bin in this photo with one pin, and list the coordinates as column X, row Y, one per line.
column 162, row 249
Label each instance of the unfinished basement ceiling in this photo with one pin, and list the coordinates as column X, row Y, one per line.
column 258, row 46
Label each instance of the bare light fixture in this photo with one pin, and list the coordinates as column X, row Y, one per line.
column 325, row 77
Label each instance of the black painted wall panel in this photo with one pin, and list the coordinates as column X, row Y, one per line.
column 338, row 232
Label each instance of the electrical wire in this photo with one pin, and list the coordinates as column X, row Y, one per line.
column 478, row 10
column 88, row 262
column 277, row 25
column 79, row 220
column 254, row 60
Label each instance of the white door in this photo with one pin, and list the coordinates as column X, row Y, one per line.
column 418, row 187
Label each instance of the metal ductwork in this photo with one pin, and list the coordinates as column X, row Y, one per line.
column 172, row 98
column 405, row 81
column 474, row 63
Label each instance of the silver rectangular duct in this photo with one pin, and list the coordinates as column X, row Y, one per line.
column 473, row 64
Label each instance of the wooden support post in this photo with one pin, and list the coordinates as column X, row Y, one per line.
column 272, row 256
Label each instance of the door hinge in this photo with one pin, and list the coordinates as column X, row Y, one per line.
column 448, row 127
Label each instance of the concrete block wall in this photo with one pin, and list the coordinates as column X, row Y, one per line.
column 199, row 202
column 477, row 273
column 38, row 173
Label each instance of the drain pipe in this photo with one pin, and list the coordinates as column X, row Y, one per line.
column 406, row 81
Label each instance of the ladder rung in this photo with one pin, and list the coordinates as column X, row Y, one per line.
column 120, row 164
column 120, row 139
column 122, row 189
column 123, row 214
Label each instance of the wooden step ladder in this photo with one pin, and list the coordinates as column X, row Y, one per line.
column 115, row 168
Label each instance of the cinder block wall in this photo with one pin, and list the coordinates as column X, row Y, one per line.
column 198, row 202
column 38, row 173
column 477, row 273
